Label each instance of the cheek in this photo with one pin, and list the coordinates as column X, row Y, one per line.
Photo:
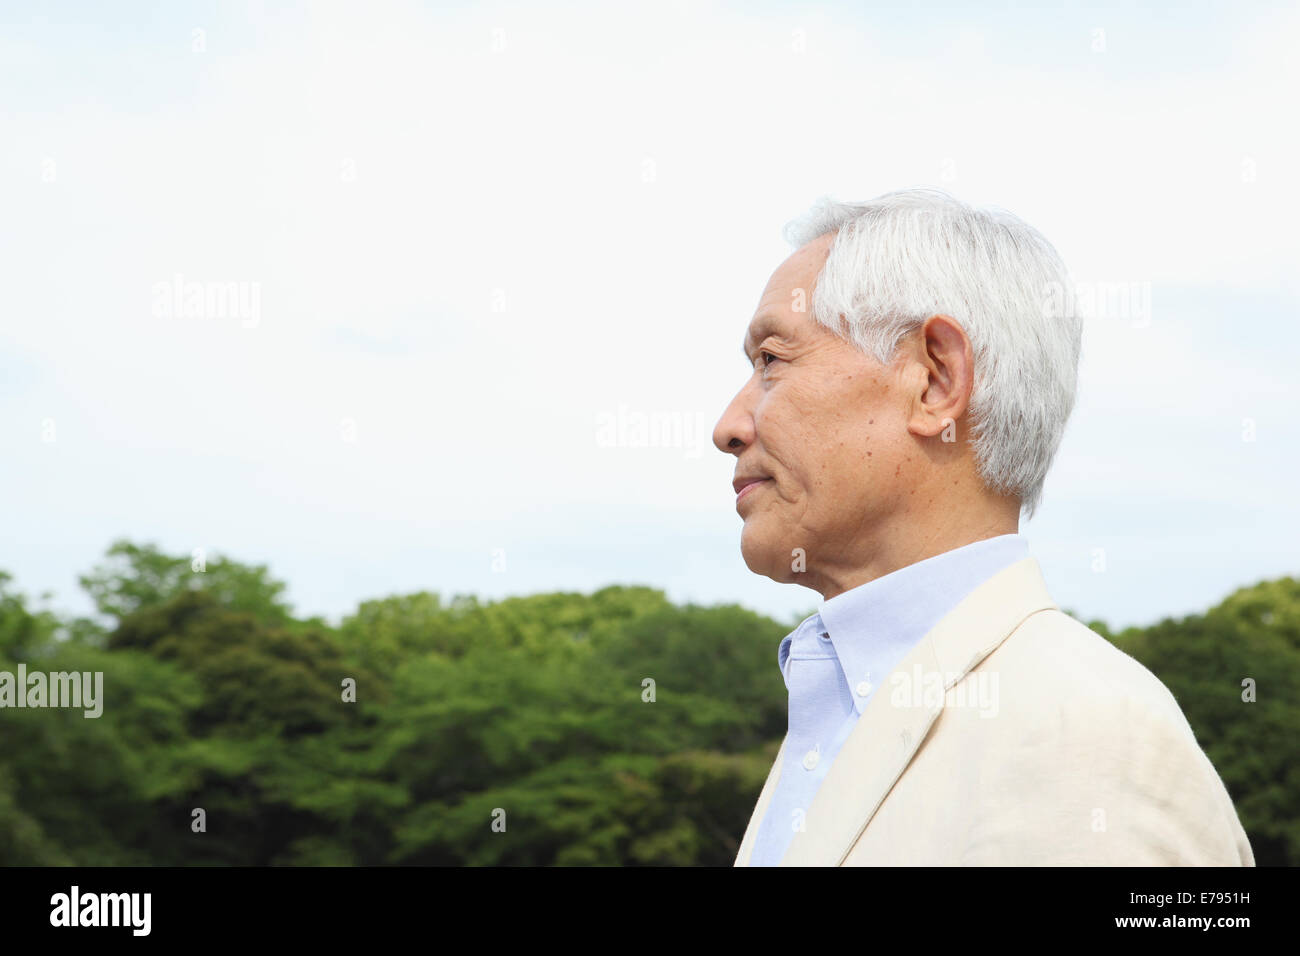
column 818, row 452
column 847, row 468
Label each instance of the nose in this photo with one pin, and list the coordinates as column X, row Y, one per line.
column 735, row 429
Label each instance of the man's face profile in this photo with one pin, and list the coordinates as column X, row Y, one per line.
column 818, row 422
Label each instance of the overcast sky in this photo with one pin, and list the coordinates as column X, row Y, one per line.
column 468, row 241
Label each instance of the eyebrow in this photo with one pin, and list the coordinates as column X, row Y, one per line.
column 763, row 327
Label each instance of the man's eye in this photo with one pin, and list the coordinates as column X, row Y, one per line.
column 765, row 356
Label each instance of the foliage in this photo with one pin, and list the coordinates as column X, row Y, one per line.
column 134, row 577
column 614, row 728
column 1207, row 661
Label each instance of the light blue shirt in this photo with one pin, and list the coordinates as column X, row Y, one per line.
column 835, row 661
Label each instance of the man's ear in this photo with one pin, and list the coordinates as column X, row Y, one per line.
column 942, row 350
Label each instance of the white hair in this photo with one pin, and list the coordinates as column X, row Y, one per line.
column 907, row 255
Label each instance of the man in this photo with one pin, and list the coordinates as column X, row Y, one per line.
column 914, row 365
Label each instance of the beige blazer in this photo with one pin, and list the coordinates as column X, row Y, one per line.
column 1011, row 734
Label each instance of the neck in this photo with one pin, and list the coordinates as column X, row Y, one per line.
column 912, row 538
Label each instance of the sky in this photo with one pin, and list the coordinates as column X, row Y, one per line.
column 375, row 294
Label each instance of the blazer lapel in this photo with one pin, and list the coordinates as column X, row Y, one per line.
column 900, row 715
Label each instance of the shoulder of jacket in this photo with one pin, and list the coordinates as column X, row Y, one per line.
column 1059, row 665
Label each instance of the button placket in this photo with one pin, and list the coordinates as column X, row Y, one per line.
column 812, row 758
column 865, row 687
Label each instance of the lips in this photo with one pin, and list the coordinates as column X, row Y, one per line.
column 746, row 488
column 740, row 484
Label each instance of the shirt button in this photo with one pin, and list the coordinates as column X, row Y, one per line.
column 825, row 636
column 864, row 688
column 810, row 759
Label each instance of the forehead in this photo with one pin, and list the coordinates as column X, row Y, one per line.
column 797, row 274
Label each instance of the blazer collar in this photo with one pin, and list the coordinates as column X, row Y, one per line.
column 900, row 715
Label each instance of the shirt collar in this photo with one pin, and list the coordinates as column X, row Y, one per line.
column 812, row 621
column 874, row 625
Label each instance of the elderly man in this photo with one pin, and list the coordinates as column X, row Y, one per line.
column 914, row 364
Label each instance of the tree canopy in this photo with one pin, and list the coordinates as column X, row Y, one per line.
column 610, row 728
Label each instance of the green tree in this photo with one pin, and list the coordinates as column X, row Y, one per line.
column 135, row 577
column 1251, row 638
column 603, row 729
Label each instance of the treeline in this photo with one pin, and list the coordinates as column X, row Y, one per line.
column 614, row 728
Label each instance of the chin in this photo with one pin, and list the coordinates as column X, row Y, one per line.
column 763, row 557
